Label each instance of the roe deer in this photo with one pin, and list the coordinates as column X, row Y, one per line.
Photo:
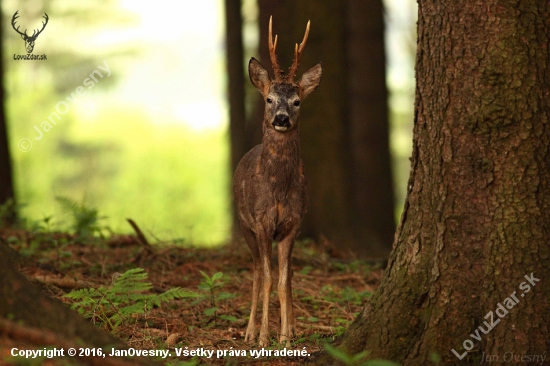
column 270, row 188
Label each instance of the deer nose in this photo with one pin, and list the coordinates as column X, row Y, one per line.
column 281, row 120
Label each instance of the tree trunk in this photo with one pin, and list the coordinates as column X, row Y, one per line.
column 371, row 173
column 344, row 127
column 20, row 301
column 35, row 319
column 476, row 224
column 323, row 121
column 6, row 183
column 236, row 78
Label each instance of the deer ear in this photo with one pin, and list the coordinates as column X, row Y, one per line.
column 259, row 76
column 310, row 80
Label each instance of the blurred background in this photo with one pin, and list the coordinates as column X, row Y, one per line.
column 142, row 109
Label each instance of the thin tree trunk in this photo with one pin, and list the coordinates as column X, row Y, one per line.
column 266, row 8
column 371, row 178
column 475, row 229
column 6, row 182
column 235, row 72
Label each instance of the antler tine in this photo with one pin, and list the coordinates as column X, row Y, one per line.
column 13, row 20
column 44, row 24
column 272, row 52
column 306, row 35
column 298, row 54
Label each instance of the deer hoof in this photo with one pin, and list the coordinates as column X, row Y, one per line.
column 264, row 340
column 250, row 335
column 284, row 339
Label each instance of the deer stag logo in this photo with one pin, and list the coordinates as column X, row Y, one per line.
column 29, row 40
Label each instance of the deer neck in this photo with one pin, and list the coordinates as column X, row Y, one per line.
column 280, row 158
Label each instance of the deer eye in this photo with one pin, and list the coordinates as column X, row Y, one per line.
column 269, row 100
column 297, row 103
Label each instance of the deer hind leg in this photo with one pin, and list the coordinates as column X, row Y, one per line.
column 288, row 322
column 250, row 238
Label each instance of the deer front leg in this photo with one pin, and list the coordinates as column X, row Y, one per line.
column 250, row 238
column 288, row 325
column 250, row 334
column 265, row 257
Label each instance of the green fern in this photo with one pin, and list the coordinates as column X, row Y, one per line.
column 357, row 359
column 126, row 296
column 85, row 219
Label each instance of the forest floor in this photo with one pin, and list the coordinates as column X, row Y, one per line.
column 211, row 288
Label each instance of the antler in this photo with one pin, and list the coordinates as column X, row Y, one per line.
column 34, row 34
column 273, row 55
column 13, row 19
column 297, row 54
column 279, row 74
column 43, row 26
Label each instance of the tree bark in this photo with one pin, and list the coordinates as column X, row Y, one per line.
column 26, row 312
column 476, row 220
column 235, row 89
column 371, row 174
column 323, row 121
column 6, row 181
column 20, row 301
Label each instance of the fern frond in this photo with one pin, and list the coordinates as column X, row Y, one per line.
column 129, row 294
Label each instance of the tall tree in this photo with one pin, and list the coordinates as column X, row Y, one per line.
column 236, row 79
column 468, row 276
column 6, row 181
column 367, row 95
column 344, row 128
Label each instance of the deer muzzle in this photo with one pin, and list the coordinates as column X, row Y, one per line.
column 281, row 122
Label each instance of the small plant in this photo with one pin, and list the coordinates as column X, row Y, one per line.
column 435, row 358
column 210, row 285
column 85, row 219
column 357, row 359
column 43, row 238
column 8, row 212
column 126, row 296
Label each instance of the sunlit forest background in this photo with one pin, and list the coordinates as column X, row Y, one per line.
column 148, row 138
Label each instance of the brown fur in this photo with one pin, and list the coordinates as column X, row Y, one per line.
column 270, row 190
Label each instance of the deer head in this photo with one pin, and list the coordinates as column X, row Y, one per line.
column 283, row 95
column 29, row 40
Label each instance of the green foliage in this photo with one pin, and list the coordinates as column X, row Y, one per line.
column 357, row 359
column 435, row 358
column 8, row 211
column 85, row 219
column 131, row 159
column 209, row 286
column 343, row 356
column 356, row 267
column 340, row 296
column 312, row 339
column 126, row 296
column 185, row 171
column 42, row 239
